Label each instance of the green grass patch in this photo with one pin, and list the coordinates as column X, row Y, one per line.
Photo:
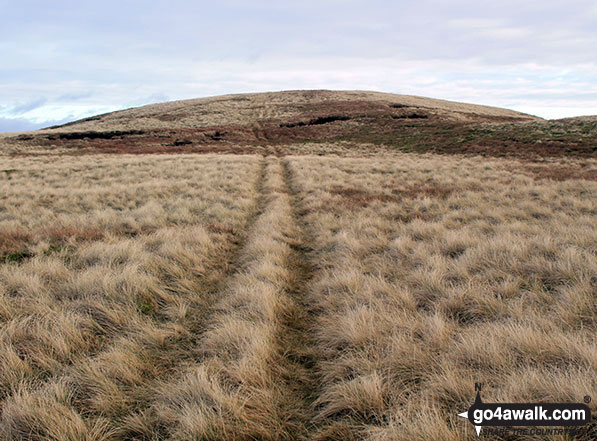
column 15, row 258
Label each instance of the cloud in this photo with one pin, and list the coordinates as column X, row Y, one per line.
column 74, row 96
column 23, row 125
column 28, row 106
column 48, row 115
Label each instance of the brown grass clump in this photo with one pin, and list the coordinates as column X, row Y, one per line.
column 12, row 241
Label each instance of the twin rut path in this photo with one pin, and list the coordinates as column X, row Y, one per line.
column 264, row 293
column 298, row 336
column 294, row 376
column 294, row 332
column 241, row 364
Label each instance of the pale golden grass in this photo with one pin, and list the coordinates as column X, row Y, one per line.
column 54, row 201
column 165, row 297
column 436, row 273
column 88, row 326
column 239, row 390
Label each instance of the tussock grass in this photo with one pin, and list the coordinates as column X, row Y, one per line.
column 420, row 294
column 350, row 297
column 88, row 327
column 240, row 389
column 49, row 203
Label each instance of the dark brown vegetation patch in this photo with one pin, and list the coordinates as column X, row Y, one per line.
column 13, row 241
column 316, row 121
column 95, row 135
column 560, row 172
column 411, row 116
column 180, row 142
column 361, row 198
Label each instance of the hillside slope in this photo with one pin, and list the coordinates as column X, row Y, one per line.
column 285, row 107
column 246, row 123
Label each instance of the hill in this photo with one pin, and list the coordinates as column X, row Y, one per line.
column 248, row 122
column 287, row 107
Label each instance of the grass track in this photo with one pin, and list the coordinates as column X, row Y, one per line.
column 253, row 381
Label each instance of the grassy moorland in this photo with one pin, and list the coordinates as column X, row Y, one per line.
column 109, row 266
column 435, row 273
column 311, row 266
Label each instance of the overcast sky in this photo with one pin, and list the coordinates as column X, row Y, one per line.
column 64, row 60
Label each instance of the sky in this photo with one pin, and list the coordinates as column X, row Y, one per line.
column 64, row 60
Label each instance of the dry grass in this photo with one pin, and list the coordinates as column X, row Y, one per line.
column 49, row 203
column 357, row 296
column 87, row 326
column 490, row 277
column 240, row 388
column 249, row 108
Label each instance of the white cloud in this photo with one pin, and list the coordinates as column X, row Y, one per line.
column 47, row 114
column 24, row 108
column 548, row 112
column 507, row 32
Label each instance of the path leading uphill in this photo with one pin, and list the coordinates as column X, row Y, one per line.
column 252, row 377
